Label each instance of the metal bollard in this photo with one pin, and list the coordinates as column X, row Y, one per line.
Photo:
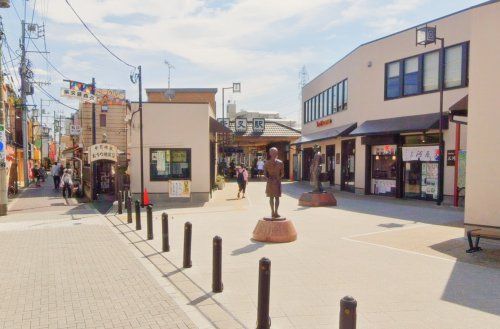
column 348, row 313
column 164, row 231
column 120, row 202
column 217, row 285
column 137, row 215
column 263, row 319
column 128, row 205
column 188, row 228
column 149, row 217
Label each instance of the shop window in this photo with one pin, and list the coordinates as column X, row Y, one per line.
column 411, row 79
column 431, row 71
column 393, row 80
column 384, row 170
column 421, row 139
column 102, row 120
column 453, row 66
column 166, row 164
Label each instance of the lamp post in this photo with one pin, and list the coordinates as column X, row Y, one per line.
column 3, row 140
column 236, row 88
column 426, row 35
column 137, row 78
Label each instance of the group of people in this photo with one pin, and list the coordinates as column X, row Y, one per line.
column 63, row 178
column 38, row 174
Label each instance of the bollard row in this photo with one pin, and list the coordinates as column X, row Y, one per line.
column 348, row 305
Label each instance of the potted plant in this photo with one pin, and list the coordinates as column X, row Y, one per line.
column 220, row 182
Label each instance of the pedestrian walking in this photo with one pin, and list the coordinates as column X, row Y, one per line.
column 36, row 175
column 260, row 167
column 56, row 175
column 66, row 183
column 42, row 173
column 242, row 179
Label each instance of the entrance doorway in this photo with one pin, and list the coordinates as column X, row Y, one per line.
column 296, row 167
column 330, row 164
column 348, row 165
column 307, row 155
column 421, row 180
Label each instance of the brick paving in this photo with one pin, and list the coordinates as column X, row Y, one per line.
column 61, row 266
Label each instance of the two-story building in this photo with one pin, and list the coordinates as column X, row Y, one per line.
column 375, row 112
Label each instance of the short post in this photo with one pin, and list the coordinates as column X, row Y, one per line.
column 217, row 285
column 188, row 228
column 164, row 232
column 348, row 313
column 137, row 215
column 128, row 205
column 149, row 218
column 263, row 319
column 120, row 202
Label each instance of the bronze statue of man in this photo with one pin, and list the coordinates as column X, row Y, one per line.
column 315, row 170
column 274, row 172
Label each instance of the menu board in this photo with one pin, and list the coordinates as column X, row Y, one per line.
column 430, row 179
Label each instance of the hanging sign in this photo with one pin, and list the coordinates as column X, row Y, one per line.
column 3, row 146
column 179, row 189
column 259, row 124
column 241, row 125
column 421, row 153
column 75, row 130
column 224, row 121
column 103, row 152
column 83, row 91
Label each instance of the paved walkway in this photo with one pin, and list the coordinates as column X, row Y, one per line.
column 62, row 266
column 404, row 262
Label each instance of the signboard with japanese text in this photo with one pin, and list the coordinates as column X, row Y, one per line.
column 450, row 157
column 224, row 121
column 3, row 146
column 83, row 96
column 103, row 152
column 421, row 153
column 241, row 124
column 259, row 124
column 75, row 130
column 179, row 188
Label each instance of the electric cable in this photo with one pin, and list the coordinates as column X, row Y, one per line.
column 95, row 37
column 48, row 61
column 54, row 99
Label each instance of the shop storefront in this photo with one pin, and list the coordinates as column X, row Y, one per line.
column 383, row 170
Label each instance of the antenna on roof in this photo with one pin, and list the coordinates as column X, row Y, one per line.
column 170, row 93
column 303, row 79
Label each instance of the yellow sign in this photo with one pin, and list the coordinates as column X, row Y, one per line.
column 179, row 189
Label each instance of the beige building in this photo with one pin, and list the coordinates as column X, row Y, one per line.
column 179, row 138
column 483, row 139
column 375, row 112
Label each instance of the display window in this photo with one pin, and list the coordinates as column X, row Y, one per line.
column 384, row 170
column 421, row 172
column 166, row 164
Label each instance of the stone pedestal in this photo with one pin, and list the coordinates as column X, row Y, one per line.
column 276, row 230
column 317, row 199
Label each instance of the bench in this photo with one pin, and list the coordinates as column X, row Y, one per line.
column 480, row 233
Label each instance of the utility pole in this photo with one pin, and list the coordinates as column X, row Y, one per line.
column 23, row 71
column 94, row 164
column 141, row 140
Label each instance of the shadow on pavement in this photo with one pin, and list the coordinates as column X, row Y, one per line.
column 411, row 210
column 247, row 249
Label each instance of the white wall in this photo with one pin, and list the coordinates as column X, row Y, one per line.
column 482, row 202
column 171, row 125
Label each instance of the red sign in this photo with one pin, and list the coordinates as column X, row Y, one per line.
column 325, row 122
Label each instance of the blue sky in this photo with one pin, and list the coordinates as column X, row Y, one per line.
column 261, row 43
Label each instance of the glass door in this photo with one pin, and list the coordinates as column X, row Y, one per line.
column 348, row 165
column 413, row 179
column 330, row 163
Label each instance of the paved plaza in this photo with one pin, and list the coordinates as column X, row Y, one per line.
column 62, row 266
column 67, row 266
column 404, row 261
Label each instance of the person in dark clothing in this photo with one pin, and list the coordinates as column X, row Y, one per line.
column 36, row 175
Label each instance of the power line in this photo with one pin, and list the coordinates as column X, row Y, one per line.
column 95, row 37
column 53, row 98
column 48, row 61
column 15, row 9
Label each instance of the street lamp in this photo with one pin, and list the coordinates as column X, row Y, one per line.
column 425, row 35
column 236, row 88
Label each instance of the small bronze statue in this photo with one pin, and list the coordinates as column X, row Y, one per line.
column 274, row 172
column 315, row 170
